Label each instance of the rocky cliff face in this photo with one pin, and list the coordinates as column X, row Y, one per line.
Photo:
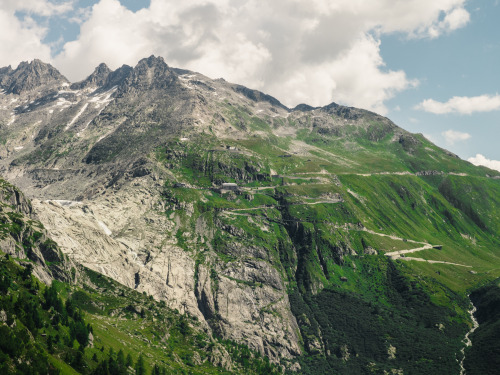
column 23, row 237
column 27, row 77
column 126, row 172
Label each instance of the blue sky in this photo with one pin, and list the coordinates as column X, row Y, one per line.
column 463, row 63
column 429, row 65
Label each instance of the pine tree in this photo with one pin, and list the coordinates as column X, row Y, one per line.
column 139, row 366
column 129, row 362
column 120, row 358
column 155, row 370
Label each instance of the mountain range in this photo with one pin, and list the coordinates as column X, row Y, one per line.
column 324, row 239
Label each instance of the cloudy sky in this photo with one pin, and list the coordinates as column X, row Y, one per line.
column 429, row 65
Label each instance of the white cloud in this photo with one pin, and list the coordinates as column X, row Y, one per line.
column 462, row 104
column 456, row 19
column 22, row 40
column 482, row 160
column 453, row 136
column 43, row 8
column 25, row 46
column 312, row 51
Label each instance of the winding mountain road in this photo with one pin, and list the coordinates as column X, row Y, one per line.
column 400, row 254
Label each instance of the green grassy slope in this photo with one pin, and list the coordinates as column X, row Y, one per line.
column 326, row 205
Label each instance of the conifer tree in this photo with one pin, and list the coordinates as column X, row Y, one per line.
column 140, row 368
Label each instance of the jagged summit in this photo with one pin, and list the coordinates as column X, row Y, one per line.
column 118, row 76
column 97, row 78
column 103, row 78
column 258, row 96
column 304, row 107
column 5, row 73
column 151, row 73
column 152, row 61
column 29, row 76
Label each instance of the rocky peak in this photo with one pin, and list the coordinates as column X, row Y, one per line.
column 152, row 61
column 304, row 108
column 5, row 73
column 118, row 76
column 6, row 70
column 258, row 96
column 97, row 78
column 32, row 75
column 102, row 70
column 151, row 73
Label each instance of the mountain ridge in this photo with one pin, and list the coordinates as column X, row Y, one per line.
column 127, row 171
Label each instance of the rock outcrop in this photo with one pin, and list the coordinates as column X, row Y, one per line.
column 23, row 237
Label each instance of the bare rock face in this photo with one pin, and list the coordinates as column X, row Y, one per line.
column 24, row 237
column 123, row 242
column 244, row 301
column 96, row 79
column 84, row 154
column 30, row 76
column 253, row 306
column 91, row 340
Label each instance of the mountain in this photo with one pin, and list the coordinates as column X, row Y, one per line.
column 327, row 239
column 27, row 77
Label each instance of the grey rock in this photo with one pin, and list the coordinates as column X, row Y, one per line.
column 30, row 76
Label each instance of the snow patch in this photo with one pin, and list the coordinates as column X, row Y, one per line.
column 104, row 228
column 101, row 138
column 99, row 100
column 79, row 134
column 188, row 86
column 66, row 203
column 77, row 116
column 62, row 102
